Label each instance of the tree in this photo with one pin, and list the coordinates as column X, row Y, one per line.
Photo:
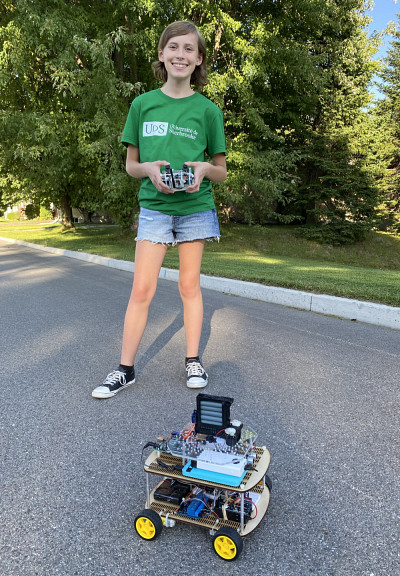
column 337, row 195
column 62, row 107
column 292, row 77
column 388, row 111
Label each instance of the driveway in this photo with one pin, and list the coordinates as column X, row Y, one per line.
column 321, row 392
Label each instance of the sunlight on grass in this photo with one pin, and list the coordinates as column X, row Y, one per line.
column 244, row 257
column 274, row 255
column 321, row 268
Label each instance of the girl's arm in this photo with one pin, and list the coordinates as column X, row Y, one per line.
column 214, row 171
column 151, row 170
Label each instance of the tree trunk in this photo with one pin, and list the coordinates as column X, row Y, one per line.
column 66, row 211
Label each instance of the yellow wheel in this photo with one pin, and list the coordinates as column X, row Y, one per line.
column 227, row 544
column 148, row 525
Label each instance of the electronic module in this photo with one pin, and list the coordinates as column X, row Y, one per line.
column 212, row 442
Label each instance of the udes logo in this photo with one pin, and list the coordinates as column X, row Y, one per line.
column 155, row 128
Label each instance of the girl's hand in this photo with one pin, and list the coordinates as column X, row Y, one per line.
column 153, row 170
column 214, row 171
column 200, row 171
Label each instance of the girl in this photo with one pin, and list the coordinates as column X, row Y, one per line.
column 173, row 125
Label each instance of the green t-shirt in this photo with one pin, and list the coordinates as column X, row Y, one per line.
column 177, row 130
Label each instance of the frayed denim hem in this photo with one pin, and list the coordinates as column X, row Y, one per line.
column 176, row 242
column 155, row 242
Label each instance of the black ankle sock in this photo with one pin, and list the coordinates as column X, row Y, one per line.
column 195, row 358
column 126, row 368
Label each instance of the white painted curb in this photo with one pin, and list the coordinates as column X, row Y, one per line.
column 102, row 260
column 368, row 312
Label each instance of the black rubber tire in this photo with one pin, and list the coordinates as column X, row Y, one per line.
column 268, row 482
column 148, row 524
column 227, row 544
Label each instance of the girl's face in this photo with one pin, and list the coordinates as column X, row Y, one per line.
column 181, row 56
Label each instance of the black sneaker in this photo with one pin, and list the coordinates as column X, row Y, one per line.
column 115, row 381
column 196, row 375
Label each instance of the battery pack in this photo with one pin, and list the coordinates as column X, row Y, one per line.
column 171, row 491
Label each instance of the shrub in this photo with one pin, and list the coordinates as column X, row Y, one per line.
column 14, row 216
column 32, row 211
column 45, row 213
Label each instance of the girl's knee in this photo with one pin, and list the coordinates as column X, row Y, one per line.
column 142, row 294
column 189, row 288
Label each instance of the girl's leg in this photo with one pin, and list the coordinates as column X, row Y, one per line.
column 148, row 261
column 190, row 255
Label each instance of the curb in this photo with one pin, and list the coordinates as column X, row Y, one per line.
column 356, row 310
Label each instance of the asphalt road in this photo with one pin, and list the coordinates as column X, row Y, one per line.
column 321, row 392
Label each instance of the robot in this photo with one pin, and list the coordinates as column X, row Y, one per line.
column 213, row 475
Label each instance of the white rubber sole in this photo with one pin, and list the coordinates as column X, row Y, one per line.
column 198, row 384
column 103, row 392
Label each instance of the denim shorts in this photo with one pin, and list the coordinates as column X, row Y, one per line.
column 165, row 229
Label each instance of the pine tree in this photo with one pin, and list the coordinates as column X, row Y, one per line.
column 389, row 112
column 337, row 193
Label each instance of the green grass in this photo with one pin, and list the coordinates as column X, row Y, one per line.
column 368, row 270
